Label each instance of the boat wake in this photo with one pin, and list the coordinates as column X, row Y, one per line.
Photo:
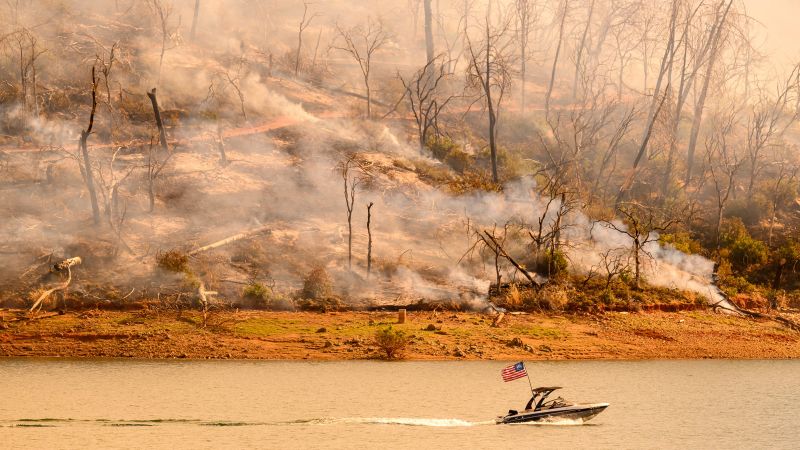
column 414, row 422
column 553, row 422
column 402, row 421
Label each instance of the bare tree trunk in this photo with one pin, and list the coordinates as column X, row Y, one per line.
column 555, row 60
column 369, row 97
column 637, row 263
column 428, row 31
column 701, row 101
column 85, row 152
column 151, row 194
column 223, row 158
column 655, row 105
column 492, row 113
column 369, row 239
column 581, row 47
column 522, row 77
column 194, row 18
column 162, row 134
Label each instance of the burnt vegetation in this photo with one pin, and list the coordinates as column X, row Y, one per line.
column 534, row 155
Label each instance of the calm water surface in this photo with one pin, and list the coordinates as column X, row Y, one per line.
column 243, row 404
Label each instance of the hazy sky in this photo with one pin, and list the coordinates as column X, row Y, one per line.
column 779, row 18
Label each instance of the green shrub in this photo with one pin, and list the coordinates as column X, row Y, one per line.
column 746, row 252
column 682, row 241
column 263, row 297
column 392, row 342
column 317, row 285
column 552, row 262
column 733, row 286
column 256, row 290
column 450, row 153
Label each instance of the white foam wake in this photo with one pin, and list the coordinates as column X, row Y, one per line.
column 554, row 422
column 411, row 421
column 407, row 421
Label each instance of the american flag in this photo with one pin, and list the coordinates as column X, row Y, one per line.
column 514, row 371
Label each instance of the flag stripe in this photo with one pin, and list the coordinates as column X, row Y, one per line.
column 513, row 372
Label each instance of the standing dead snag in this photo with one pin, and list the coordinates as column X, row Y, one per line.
column 490, row 71
column 162, row 134
column 304, row 23
column 87, row 164
column 369, row 239
column 350, row 185
column 361, row 43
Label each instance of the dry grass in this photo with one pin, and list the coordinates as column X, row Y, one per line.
column 173, row 261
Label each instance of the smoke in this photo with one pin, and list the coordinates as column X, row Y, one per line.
column 423, row 238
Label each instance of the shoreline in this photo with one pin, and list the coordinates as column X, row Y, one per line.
column 442, row 336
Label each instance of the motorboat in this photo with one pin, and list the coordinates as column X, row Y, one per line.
column 540, row 409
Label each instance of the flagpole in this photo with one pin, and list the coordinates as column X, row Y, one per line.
column 529, row 378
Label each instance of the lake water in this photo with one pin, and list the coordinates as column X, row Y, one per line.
column 47, row 403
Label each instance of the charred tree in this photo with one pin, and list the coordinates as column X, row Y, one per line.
column 87, row 164
column 369, row 239
column 162, row 134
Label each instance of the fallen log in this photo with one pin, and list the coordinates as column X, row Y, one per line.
column 228, row 240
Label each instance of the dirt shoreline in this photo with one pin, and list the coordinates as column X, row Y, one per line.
column 349, row 336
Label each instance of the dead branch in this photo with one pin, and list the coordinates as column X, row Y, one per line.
column 66, row 264
column 498, row 248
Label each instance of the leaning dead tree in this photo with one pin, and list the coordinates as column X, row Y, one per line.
column 361, row 43
column 551, row 82
column 494, row 244
column 87, row 163
column 656, row 104
column 230, row 239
